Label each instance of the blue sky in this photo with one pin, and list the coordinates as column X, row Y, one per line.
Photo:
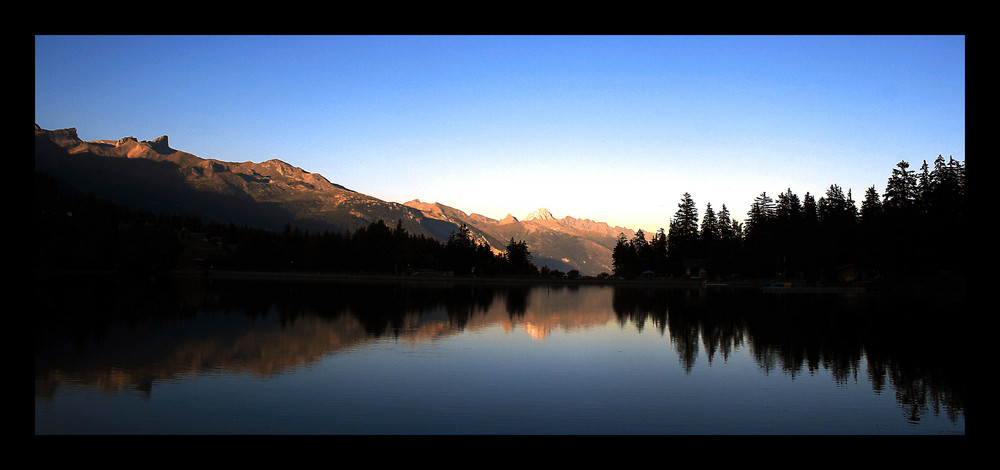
column 610, row 128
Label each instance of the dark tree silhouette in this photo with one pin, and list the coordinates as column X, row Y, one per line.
column 901, row 189
column 760, row 255
column 837, row 220
column 910, row 232
column 683, row 237
column 871, row 232
column 915, row 229
column 710, row 232
column 658, row 248
column 519, row 259
column 788, row 233
column 726, row 255
column 643, row 252
column 623, row 260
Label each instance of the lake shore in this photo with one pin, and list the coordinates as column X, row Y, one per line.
column 948, row 285
column 312, row 276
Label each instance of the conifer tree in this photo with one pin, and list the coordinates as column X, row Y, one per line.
column 871, row 206
column 788, row 232
column 725, row 224
column 623, row 257
column 901, row 189
column 518, row 258
column 682, row 239
column 461, row 251
column 658, row 251
column 725, row 257
column 759, row 239
column 643, row 253
column 789, row 209
column 760, row 216
column 709, row 227
column 903, row 226
column 943, row 202
column 871, row 232
column 710, row 238
column 685, row 221
column 810, row 214
column 924, row 185
column 837, row 226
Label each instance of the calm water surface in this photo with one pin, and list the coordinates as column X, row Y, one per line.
column 255, row 357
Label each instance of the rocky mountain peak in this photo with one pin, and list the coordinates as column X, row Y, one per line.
column 159, row 145
column 274, row 193
column 542, row 213
column 510, row 219
column 125, row 140
column 64, row 137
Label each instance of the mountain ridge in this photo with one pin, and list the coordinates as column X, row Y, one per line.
column 273, row 194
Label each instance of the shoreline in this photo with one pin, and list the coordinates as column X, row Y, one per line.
column 948, row 285
column 309, row 276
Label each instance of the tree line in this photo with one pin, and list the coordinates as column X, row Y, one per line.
column 914, row 229
column 373, row 249
column 76, row 231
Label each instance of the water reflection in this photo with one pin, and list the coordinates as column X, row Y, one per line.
column 128, row 337
column 146, row 334
column 910, row 344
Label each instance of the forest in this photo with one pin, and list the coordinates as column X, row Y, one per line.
column 75, row 232
column 375, row 249
column 914, row 229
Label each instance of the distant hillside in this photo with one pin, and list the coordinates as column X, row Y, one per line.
column 563, row 244
column 151, row 176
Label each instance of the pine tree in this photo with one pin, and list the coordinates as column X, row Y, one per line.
column 518, row 258
column 685, row 221
column 710, row 238
column 833, row 206
column 901, row 189
column 788, row 232
column 904, row 231
column 461, row 251
column 682, row 239
column 709, row 227
column 725, row 258
column 643, row 253
column 871, row 207
column 623, row 257
column 759, row 239
column 760, row 216
column 810, row 238
column 944, row 204
column 924, row 185
column 946, row 190
column 789, row 209
column 871, row 232
column 838, row 229
column 725, row 224
column 658, row 251
column 810, row 214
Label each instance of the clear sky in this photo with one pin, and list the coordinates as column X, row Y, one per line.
column 610, row 128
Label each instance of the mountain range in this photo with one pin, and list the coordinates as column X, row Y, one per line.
column 151, row 176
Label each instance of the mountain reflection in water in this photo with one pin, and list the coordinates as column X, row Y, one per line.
column 112, row 337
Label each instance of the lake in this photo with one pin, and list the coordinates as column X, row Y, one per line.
column 218, row 356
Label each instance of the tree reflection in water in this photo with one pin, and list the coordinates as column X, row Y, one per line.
column 909, row 344
column 912, row 343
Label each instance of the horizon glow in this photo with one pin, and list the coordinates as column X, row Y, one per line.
column 609, row 128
